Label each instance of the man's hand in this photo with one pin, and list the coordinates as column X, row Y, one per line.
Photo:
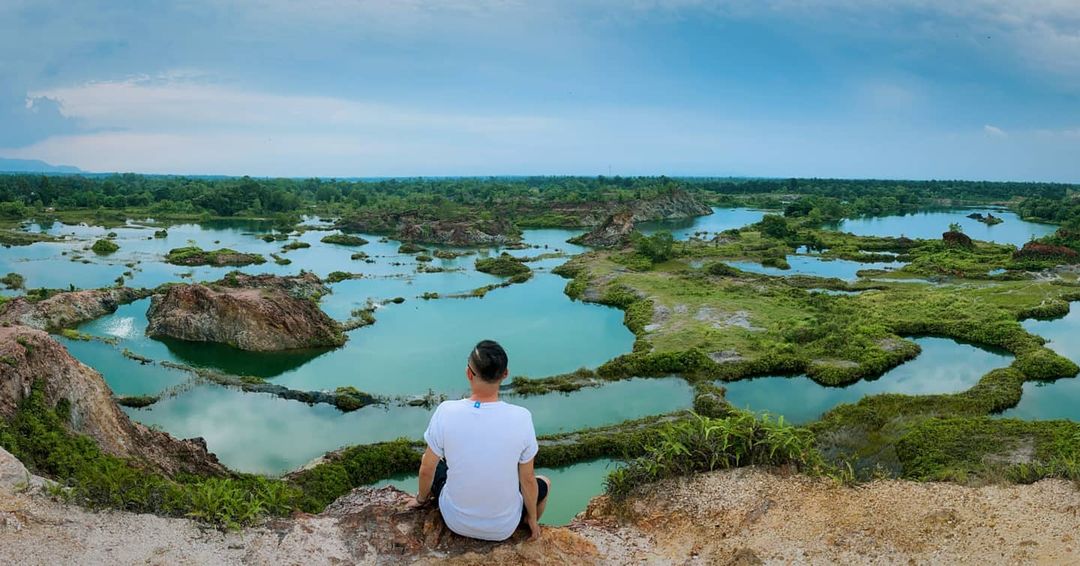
column 534, row 526
column 416, row 503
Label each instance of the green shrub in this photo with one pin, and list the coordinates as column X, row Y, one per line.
column 344, row 240
column 657, row 248
column 13, row 281
column 104, row 247
column 505, row 265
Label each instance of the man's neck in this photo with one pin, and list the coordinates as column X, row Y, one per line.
column 489, row 396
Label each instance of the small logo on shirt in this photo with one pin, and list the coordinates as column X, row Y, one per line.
column 476, row 404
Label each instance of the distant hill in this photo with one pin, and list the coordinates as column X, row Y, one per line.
column 33, row 166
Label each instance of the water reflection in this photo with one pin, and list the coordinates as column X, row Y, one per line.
column 1059, row 399
column 264, row 434
column 576, row 485
column 930, row 226
column 944, row 366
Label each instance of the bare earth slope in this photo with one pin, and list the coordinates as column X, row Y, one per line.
column 28, row 355
column 737, row 517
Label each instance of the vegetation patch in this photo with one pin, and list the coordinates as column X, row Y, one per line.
column 297, row 245
column 703, row 444
column 565, row 383
column 13, row 281
column 104, row 247
column 339, row 276
column 986, row 449
column 136, row 401
column 503, row 265
column 344, row 240
column 194, row 256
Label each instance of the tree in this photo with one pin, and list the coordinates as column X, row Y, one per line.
column 775, row 226
column 658, row 248
column 956, row 227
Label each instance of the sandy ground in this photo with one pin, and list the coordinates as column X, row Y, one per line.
column 738, row 517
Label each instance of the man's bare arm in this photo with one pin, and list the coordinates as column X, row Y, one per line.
column 428, row 463
column 530, row 493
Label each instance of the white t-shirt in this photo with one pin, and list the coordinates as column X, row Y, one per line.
column 482, row 443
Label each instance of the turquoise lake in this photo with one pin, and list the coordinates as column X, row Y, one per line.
column 421, row 345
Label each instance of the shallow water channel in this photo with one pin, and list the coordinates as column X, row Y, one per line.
column 944, row 366
column 1059, row 399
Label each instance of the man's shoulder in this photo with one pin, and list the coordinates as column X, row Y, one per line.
column 450, row 405
column 517, row 410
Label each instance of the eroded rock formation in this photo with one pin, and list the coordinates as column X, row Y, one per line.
column 676, row 204
column 258, row 313
column 613, row 232
column 28, row 355
column 67, row 310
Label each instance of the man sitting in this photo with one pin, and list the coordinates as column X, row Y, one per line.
column 479, row 459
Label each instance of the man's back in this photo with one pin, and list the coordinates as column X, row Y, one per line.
column 482, row 443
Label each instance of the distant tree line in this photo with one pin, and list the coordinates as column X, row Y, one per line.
column 822, row 199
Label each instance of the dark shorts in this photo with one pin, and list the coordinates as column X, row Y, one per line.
column 440, row 481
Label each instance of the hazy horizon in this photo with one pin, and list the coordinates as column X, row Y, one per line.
column 910, row 89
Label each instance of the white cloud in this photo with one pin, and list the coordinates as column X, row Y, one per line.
column 174, row 102
column 994, row 131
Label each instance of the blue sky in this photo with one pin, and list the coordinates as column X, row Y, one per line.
column 977, row 89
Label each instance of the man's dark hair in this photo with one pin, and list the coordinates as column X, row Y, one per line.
column 488, row 360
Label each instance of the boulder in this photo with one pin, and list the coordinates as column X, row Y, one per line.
column 28, row 355
column 256, row 313
column 957, row 239
column 387, row 533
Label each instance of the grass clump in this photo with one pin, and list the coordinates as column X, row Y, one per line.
column 703, row 444
column 104, row 247
column 344, row 240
